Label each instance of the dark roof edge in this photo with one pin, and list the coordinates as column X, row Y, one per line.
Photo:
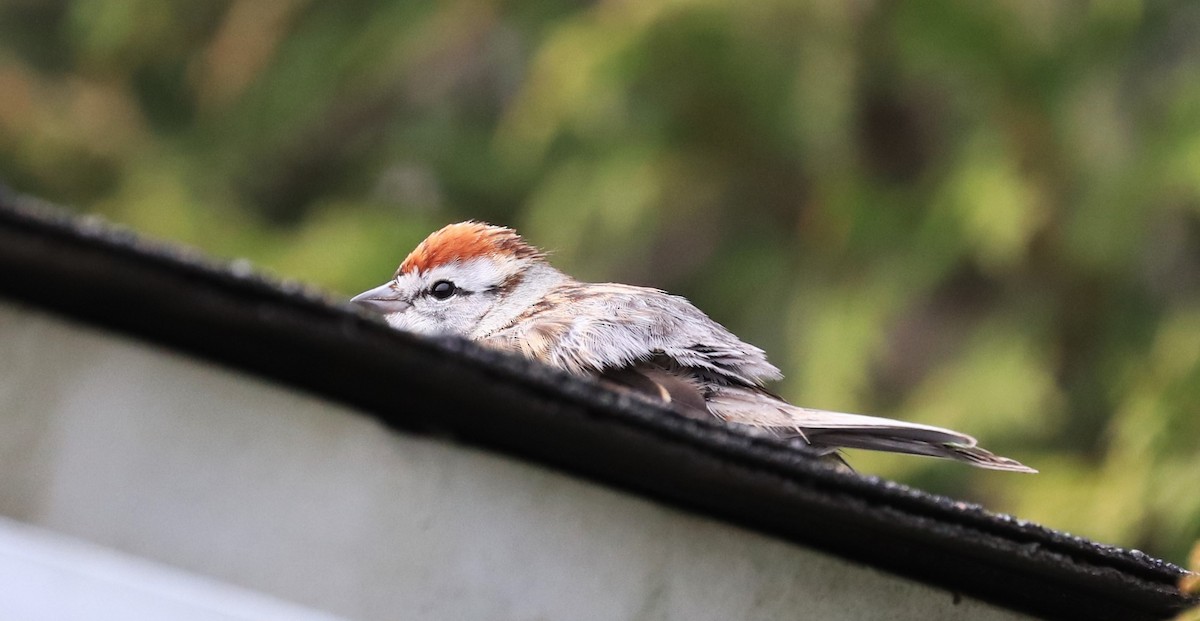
column 107, row 276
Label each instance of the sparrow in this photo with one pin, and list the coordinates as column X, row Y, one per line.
column 486, row 284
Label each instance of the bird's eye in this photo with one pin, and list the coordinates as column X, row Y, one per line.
column 442, row 289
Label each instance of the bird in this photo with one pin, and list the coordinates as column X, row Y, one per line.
column 487, row 284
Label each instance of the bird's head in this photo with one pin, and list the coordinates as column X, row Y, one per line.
column 466, row 279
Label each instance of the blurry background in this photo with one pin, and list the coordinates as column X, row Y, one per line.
column 978, row 215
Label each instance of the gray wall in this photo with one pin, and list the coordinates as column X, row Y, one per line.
column 177, row 461
column 45, row 576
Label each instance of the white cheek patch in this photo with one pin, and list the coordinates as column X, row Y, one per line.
column 412, row 322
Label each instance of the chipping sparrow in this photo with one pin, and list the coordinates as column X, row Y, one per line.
column 485, row 283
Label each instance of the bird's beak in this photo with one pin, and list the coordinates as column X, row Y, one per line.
column 382, row 299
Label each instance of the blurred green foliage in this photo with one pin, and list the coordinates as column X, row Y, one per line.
column 983, row 215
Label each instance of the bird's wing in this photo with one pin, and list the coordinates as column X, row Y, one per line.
column 682, row 391
column 614, row 326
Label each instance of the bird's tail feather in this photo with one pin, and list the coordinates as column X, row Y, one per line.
column 892, row 439
column 823, row 428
